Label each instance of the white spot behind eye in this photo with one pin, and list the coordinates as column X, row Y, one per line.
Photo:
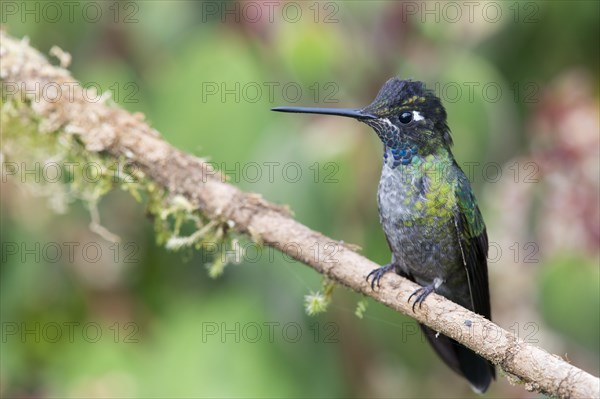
column 417, row 116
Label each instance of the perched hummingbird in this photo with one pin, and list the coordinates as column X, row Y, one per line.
column 428, row 211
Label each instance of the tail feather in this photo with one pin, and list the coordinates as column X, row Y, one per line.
column 477, row 370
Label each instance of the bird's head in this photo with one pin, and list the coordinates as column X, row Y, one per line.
column 407, row 117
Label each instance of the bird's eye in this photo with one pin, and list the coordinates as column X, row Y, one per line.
column 406, row 117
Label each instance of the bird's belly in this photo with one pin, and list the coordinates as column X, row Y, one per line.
column 425, row 252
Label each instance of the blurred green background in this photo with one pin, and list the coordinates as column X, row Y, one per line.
column 520, row 84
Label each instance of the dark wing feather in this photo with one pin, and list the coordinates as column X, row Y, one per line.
column 473, row 242
column 474, row 246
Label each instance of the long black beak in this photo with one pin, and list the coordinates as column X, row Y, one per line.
column 348, row 112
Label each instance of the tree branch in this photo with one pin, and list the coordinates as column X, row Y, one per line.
column 25, row 74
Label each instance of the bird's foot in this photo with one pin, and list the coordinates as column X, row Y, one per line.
column 378, row 273
column 423, row 292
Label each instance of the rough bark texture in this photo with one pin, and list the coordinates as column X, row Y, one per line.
column 26, row 73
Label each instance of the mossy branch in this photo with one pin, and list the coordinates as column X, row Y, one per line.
column 108, row 130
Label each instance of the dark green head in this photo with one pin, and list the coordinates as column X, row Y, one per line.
column 406, row 116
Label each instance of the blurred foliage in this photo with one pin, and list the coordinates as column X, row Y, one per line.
column 579, row 285
column 157, row 310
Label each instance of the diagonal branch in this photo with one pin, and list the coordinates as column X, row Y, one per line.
column 25, row 74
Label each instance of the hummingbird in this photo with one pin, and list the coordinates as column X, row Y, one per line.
column 428, row 212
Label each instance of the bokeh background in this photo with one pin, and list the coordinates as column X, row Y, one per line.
column 520, row 84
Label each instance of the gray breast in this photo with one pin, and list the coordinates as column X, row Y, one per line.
column 422, row 250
